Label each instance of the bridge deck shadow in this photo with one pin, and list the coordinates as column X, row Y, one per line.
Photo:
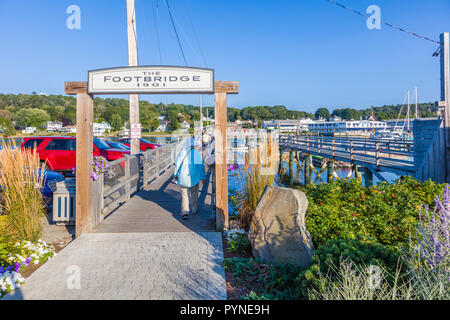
column 157, row 208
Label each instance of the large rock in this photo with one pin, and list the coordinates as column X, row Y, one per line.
column 278, row 232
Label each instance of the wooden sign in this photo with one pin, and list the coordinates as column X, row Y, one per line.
column 151, row 80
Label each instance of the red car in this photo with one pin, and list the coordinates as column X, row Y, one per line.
column 145, row 145
column 59, row 153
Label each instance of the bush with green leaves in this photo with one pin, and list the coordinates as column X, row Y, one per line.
column 385, row 213
column 335, row 252
column 267, row 281
column 238, row 242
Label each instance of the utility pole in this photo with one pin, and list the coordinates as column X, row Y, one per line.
column 133, row 62
column 445, row 95
column 201, row 113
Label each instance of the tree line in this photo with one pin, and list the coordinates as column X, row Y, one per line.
column 33, row 110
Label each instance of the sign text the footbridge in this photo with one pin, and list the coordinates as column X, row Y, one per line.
column 151, row 80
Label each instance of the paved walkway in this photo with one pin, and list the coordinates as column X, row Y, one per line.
column 142, row 251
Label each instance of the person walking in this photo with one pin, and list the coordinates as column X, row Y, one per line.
column 189, row 172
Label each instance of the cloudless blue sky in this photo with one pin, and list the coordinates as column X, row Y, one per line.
column 302, row 54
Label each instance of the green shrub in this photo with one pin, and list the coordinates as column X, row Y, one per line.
column 267, row 281
column 239, row 243
column 334, row 252
column 386, row 213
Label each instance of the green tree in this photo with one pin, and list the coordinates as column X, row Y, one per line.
column 7, row 127
column 173, row 121
column 30, row 117
column 323, row 112
column 116, row 122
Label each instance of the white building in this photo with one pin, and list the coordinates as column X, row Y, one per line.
column 185, row 125
column 360, row 126
column 51, row 126
column 162, row 124
column 125, row 133
column 29, row 130
column 101, row 128
column 69, row 129
column 288, row 125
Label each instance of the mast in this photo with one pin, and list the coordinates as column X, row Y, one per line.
column 417, row 106
column 409, row 108
column 133, row 62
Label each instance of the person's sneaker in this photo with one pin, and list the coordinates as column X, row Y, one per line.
column 185, row 216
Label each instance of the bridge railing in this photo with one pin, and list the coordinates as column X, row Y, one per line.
column 122, row 179
column 378, row 152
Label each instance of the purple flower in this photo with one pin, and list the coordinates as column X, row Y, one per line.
column 17, row 267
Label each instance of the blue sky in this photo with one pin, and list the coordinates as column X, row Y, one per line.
column 301, row 54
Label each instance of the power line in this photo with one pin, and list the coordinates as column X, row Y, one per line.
column 195, row 33
column 385, row 23
column 176, row 32
column 155, row 19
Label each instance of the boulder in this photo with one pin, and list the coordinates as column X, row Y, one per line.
column 278, row 232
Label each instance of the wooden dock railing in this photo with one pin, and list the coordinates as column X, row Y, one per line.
column 123, row 178
column 395, row 156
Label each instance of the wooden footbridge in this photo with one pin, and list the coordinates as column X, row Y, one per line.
column 423, row 158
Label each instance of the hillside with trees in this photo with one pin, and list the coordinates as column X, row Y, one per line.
column 32, row 110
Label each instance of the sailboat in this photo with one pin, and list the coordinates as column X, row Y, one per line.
column 401, row 132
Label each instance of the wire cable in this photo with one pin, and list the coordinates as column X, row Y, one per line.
column 176, row 32
column 155, row 19
column 195, row 33
column 385, row 23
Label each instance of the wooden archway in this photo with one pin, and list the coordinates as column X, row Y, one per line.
column 85, row 121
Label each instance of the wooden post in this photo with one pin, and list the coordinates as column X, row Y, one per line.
column 357, row 172
column 132, row 62
column 308, row 161
column 352, row 156
column 222, row 88
column 377, row 147
column 127, row 193
column 334, row 148
column 445, row 96
column 291, row 167
column 368, row 177
column 330, row 170
column 85, row 123
column 221, row 162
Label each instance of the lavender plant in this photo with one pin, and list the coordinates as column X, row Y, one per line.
column 428, row 256
column 99, row 166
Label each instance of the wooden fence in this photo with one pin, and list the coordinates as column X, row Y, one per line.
column 123, row 178
column 387, row 155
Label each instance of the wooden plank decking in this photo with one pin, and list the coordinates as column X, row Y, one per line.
column 157, row 208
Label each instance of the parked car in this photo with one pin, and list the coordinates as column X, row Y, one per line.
column 59, row 153
column 117, row 145
column 145, row 145
column 51, row 178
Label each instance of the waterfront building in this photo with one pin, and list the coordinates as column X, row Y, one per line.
column 101, row 128
column 288, row 125
column 29, row 130
column 69, row 129
column 350, row 127
column 52, row 126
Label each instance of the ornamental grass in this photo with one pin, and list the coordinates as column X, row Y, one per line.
column 259, row 171
column 20, row 182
